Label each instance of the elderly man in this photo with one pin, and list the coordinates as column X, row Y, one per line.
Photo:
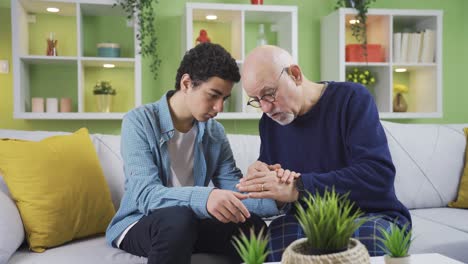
column 330, row 133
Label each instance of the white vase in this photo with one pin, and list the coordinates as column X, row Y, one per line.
column 103, row 102
column 355, row 254
column 392, row 260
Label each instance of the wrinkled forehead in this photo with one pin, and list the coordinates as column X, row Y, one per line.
column 257, row 80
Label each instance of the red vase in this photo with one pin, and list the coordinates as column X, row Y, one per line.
column 256, row 2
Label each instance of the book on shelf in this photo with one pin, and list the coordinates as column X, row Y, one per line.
column 397, row 47
column 414, row 47
column 428, row 46
column 404, row 47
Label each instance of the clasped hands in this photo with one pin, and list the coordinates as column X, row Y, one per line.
column 261, row 181
column 269, row 181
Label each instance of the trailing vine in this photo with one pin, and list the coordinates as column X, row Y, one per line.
column 146, row 34
column 358, row 30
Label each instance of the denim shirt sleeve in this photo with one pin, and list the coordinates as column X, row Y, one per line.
column 143, row 172
column 227, row 175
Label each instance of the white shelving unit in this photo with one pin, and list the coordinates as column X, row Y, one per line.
column 424, row 80
column 236, row 30
column 79, row 56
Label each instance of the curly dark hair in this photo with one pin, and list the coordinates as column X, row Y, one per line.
column 207, row 60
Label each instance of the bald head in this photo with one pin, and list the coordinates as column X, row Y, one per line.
column 262, row 65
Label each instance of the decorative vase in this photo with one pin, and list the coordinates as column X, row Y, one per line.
column 103, row 102
column 392, row 260
column 399, row 103
column 261, row 38
column 296, row 253
column 51, row 45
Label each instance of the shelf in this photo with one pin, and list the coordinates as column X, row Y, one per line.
column 39, row 59
column 408, row 115
column 236, row 29
column 99, row 24
column 368, row 64
column 71, row 116
column 99, row 61
column 423, row 79
column 414, row 65
column 78, row 27
column 226, row 30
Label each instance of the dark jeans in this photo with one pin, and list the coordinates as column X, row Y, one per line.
column 172, row 234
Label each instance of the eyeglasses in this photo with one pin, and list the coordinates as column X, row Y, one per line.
column 270, row 98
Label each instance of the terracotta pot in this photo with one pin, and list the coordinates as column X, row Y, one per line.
column 355, row 254
column 402, row 260
column 256, row 2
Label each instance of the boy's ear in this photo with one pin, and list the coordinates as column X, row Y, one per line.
column 185, row 82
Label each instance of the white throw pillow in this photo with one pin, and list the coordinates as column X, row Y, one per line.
column 11, row 226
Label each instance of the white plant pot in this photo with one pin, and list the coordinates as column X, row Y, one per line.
column 355, row 254
column 392, row 260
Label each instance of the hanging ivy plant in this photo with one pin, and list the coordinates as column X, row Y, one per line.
column 358, row 29
column 146, row 35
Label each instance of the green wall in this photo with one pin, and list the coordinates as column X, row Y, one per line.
column 168, row 24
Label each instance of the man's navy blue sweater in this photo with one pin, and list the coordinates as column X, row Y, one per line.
column 338, row 142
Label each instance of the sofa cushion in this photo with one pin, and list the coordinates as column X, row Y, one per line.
column 11, row 227
column 58, row 187
column 451, row 217
column 462, row 197
column 428, row 161
column 108, row 150
column 432, row 237
column 96, row 251
column 245, row 149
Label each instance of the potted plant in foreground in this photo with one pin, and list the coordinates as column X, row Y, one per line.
column 103, row 92
column 396, row 243
column 251, row 249
column 328, row 221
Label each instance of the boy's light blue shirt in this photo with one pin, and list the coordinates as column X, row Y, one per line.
column 145, row 133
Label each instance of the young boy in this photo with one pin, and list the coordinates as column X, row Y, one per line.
column 171, row 150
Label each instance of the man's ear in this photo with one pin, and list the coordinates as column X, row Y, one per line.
column 185, row 82
column 296, row 74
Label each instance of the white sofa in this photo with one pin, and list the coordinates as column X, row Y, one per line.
column 429, row 160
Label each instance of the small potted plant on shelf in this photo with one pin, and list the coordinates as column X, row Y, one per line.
column 103, row 92
column 362, row 76
column 328, row 221
column 252, row 250
column 396, row 243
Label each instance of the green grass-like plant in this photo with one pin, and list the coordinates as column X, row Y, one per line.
column 397, row 241
column 252, row 250
column 329, row 220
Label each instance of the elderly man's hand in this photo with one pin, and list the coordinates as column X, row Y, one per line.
column 267, row 184
column 286, row 176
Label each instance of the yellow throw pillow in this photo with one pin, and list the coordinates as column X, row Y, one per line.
column 462, row 199
column 58, row 186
